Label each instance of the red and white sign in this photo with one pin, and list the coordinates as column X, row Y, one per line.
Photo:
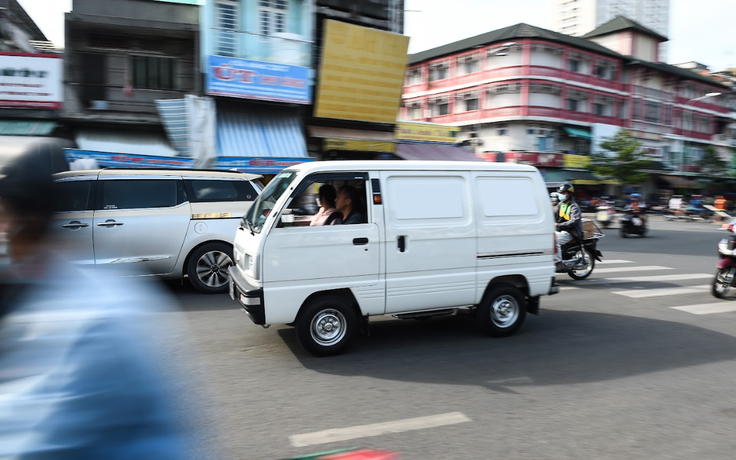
column 31, row 81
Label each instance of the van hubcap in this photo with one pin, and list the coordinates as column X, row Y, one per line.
column 212, row 268
column 328, row 327
column 505, row 311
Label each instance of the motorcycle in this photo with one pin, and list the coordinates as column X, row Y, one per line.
column 604, row 215
column 632, row 222
column 579, row 256
column 726, row 267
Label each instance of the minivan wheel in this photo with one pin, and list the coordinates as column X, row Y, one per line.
column 326, row 325
column 207, row 267
column 502, row 311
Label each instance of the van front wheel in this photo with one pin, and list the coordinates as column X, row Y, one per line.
column 326, row 325
column 502, row 311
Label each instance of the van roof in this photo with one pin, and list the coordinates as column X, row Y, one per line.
column 142, row 172
column 409, row 165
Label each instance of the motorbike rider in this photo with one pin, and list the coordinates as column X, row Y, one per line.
column 568, row 218
column 637, row 206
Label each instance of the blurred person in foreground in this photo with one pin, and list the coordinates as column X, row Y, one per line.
column 77, row 377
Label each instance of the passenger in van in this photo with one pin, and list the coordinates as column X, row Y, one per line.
column 327, row 211
column 348, row 202
column 568, row 218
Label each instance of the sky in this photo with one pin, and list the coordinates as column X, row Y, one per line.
column 700, row 30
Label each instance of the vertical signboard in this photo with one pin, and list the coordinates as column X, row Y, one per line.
column 361, row 74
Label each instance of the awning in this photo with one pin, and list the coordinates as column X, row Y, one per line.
column 327, row 132
column 244, row 132
column 578, row 177
column 679, row 181
column 109, row 141
column 577, row 132
column 26, row 128
column 434, row 152
column 173, row 113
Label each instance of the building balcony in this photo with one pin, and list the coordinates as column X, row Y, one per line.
column 528, row 112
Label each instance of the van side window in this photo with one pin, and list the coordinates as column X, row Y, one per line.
column 522, row 189
column 432, row 199
column 329, row 199
column 141, row 194
column 220, row 190
column 71, row 196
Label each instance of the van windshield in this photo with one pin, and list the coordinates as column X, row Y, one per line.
column 255, row 218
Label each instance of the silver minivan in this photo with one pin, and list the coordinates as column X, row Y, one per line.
column 169, row 223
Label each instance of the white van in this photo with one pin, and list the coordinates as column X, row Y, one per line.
column 432, row 238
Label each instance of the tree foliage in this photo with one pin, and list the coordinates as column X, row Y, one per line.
column 712, row 164
column 622, row 159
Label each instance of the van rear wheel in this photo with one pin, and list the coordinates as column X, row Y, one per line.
column 502, row 311
column 326, row 325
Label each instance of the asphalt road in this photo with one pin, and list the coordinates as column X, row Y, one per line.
column 609, row 370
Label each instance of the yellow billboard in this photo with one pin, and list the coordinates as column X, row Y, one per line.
column 426, row 132
column 576, row 161
column 358, row 145
column 362, row 73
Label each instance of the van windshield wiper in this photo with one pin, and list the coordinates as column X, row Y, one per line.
column 245, row 223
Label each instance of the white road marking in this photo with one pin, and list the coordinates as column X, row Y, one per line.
column 708, row 308
column 642, row 293
column 616, row 261
column 377, row 429
column 649, row 279
column 568, row 288
column 640, row 268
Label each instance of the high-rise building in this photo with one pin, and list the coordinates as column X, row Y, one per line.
column 578, row 17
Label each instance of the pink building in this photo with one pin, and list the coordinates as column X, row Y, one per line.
column 527, row 89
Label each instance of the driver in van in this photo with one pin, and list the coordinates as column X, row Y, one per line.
column 568, row 219
column 348, row 199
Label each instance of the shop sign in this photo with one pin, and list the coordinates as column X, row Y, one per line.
column 361, row 73
column 426, row 132
column 359, row 145
column 240, row 78
column 553, row 160
column 32, row 81
column 576, row 161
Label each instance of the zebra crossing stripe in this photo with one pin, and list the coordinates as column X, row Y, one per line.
column 617, row 261
column 643, row 293
column 641, row 268
column 649, row 279
column 707, row 308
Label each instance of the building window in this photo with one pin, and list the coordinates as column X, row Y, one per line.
column 415, row 112
column 414, row 77
column 272, row 16
column 471, row 104
column 574, row 65
column 438, row 72
column 652, row 113
column 226, row 15
column 472, row 66
column 440, row 108
column 572, row 105
column 601, row 71
column 501, row 132
column 599, row 109
column 153, row 72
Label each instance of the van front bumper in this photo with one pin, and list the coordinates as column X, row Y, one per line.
column 249, row 297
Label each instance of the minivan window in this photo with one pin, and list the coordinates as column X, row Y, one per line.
column 137, row 194
column 256, row 216
column 71, row 196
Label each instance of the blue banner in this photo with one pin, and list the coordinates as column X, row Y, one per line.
column 258, row 165
column 233, row 77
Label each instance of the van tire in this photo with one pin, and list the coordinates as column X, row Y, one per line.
column 326, row 325
column 207, row 267
column 502, row 310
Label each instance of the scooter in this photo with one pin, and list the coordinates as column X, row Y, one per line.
column 632, row 223
column 726, row 267
column 579, row 256
column 604, row 215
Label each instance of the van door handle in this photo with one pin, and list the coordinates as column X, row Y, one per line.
column 109, row 223
column 360, row 241
column 75, row 224
column 402, row 243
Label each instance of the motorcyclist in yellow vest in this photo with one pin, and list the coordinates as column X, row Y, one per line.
column 568, row 219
